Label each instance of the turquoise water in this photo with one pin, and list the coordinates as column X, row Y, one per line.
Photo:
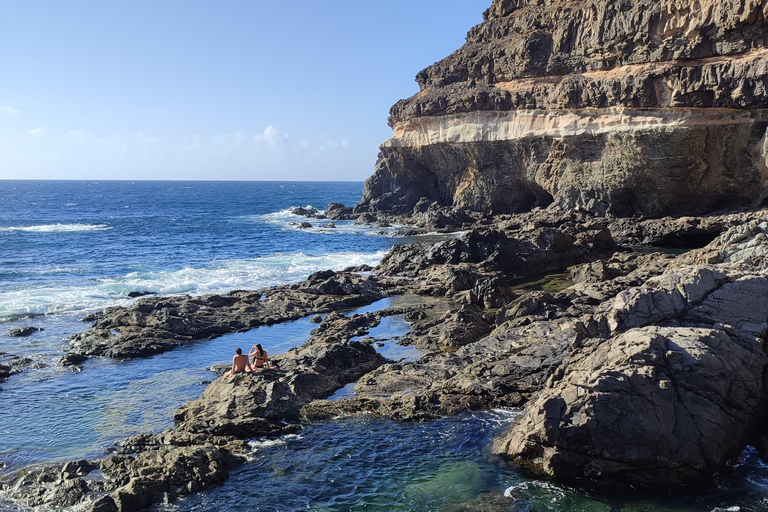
column 67, row 248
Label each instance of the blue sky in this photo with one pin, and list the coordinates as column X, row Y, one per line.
column 249, row 90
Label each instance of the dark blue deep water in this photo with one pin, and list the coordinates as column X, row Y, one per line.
column 68, row 248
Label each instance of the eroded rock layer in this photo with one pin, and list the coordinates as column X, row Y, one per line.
column 642, row 107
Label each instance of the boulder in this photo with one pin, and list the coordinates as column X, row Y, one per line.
column 652, row 406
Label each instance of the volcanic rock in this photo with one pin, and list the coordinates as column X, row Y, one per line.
column 153, row 325
column 23, row 331
column 665, row 385
column 544, row 97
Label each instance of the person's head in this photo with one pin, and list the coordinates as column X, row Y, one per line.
column 239, row 351
column 258, row 347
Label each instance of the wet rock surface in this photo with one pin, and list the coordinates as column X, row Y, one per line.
column 27, row 330
column 154, row 325
column 12, row 364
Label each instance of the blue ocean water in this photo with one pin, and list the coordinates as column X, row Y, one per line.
column 67, row 248
column 70, row 246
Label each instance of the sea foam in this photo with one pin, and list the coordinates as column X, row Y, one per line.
column 216, row 277
column 59, row 228
column 287, row 220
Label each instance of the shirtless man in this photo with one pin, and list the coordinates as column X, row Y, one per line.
column 240, row 364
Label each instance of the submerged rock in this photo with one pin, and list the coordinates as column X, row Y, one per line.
column 27, row 330
column 72, row 359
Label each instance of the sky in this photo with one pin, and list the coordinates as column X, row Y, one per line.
column 226, row 89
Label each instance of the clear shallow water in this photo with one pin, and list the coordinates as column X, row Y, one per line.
column 71, row 247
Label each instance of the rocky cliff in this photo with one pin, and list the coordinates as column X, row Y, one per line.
column 628, row 107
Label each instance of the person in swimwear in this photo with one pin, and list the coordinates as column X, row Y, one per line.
column 240, row 363
column 260, row 359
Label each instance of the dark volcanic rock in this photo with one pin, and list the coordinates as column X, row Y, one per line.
column 652, row 406
column 5, row 372
column 337, row 211
column 535, row 250
column 307, row 212
column 254, row 404
column 72, row 359
column 154, row 325
column 137, row 294
column 670, row 385
column 23, row 331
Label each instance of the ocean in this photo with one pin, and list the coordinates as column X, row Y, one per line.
column 68, row 248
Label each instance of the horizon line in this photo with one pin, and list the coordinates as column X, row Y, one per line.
column 180, row 180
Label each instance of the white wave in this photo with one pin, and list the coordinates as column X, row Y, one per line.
column 257, row 445
column 59, row 228
column 556, row 491
column 287, row 220
column 216, row 277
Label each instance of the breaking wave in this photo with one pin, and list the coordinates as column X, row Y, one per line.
column 216, row 277
column 59, row 228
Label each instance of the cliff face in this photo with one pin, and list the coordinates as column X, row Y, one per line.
column 643, row 106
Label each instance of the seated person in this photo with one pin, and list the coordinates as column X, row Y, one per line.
column 260, row 359
column 240, row 364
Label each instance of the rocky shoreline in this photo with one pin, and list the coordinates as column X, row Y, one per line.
column 644, row 368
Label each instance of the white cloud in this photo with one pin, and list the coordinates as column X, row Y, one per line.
column 36, row 132
column 272, row 136
column 4, row 109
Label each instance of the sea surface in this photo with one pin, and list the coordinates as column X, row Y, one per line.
column 72, row 247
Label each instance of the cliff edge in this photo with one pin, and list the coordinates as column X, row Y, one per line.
column 611, row 106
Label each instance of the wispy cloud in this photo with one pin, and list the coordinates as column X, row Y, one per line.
column 272, row 137
column 5, row 109
column 36, row 132
column 79, row 135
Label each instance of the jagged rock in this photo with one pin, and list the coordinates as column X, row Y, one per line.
column 5, row 372
column 164, row 475
column 500, row 370
column 665, row 382
column 652, row 406
column 536, row 250
column 337, row 211
column 23, row 331
column 310, row 212
column 72, row 359
column 255, row 404
column 12, row 365
column 136, row 294
column 153, row 325
column 545, row 96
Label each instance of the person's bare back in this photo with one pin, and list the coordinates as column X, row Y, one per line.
column 240, row 364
